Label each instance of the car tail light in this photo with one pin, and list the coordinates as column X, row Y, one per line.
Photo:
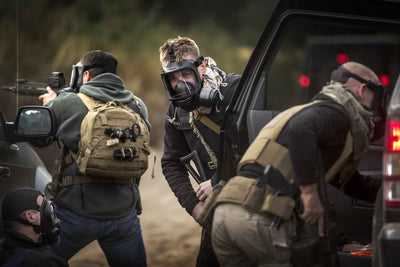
column 391, row 164
column 358, row 249
column 365, row 253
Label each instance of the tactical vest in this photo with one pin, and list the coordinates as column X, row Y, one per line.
column 266, row 151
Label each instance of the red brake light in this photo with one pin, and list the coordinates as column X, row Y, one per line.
column 393, row 140
column 365, row 253
column 391, row 165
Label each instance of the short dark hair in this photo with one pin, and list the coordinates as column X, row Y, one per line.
column 98, row 62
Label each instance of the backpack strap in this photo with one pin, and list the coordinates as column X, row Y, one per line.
column 135, row 108
column 88, row 101
column 347, row 150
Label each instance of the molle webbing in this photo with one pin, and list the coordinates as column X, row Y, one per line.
column 106, row 130
column 85, row 179
column 236, row 190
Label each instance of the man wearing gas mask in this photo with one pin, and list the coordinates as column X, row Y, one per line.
column 31, row 228
column 199, row 93
column 306, row 146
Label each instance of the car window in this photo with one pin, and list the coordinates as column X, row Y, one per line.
column 312, row 46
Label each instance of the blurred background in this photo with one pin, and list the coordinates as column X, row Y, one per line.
column 42, row 36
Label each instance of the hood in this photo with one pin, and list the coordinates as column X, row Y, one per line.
column 107, row 87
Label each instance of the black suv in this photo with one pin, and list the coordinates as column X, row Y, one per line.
column 20, row 166
column 303, row 42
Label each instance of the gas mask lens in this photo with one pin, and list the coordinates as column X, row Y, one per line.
column 182, row 84
column 76, row 76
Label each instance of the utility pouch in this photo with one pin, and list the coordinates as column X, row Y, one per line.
column 254, row 197
column 206, row 216
column 281, row 206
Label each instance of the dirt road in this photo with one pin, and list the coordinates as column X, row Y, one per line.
column 170, row 235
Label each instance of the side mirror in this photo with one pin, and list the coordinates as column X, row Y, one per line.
column 34, row 121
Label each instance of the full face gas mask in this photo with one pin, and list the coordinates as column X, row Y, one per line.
column 76, row 76
column 49, row 224
column 76, row 79
column 49, row 228
column 184, row 86
column 379, row 102
column 22, row 199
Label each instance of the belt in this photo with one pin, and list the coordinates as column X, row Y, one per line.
column 87, row 179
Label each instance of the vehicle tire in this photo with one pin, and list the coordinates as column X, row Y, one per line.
column 376, row 228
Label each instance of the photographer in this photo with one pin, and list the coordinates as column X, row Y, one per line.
column 96, row 207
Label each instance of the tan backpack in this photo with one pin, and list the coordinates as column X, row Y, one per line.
column 114, row 140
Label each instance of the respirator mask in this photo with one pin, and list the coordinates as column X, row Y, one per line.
column 49, row 224
column 23, row 199
column 49, row 228
column 107, row 64
column 76, row 76
column 184, row 86
column 379, row 103
column 76, row 79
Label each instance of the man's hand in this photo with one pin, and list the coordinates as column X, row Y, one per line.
column 197, row 209
column 49, row 96
column 204, row 190
column 313, row 209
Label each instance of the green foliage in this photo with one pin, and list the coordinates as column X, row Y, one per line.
column 42, row 36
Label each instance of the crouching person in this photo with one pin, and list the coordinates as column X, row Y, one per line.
column 31, row 227
column 305, row 146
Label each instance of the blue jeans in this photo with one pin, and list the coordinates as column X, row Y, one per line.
column 121, row 239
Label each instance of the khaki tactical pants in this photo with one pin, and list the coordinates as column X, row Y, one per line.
column 241, row 238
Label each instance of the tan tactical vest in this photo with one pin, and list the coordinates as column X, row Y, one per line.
column 265, row 151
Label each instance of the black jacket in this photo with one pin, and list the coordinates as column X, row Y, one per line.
column 180, row 140
column 316, row 137
column 33, row 254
